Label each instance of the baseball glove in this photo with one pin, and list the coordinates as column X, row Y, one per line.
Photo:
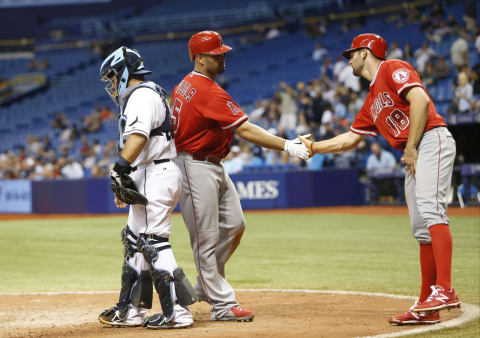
column 122, row 185
column 128, row 195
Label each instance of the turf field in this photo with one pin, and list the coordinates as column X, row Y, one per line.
column 292, row 250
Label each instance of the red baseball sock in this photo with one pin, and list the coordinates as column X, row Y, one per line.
column 429, row 270
column 442, row 250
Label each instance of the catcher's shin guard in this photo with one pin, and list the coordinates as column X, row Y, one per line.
column 129, row 278
column 163, row 282
column 183, row 289
column 142, row 291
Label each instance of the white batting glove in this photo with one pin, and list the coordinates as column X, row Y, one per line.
column 297, row 148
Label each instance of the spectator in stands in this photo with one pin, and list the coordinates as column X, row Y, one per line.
column 98, row 171
column 85, row 146
column 326, row 69
column 428, row 77
column 355, row 103
column 463, row 94
column 459, row 51
column 349, row 80
column 379, row 161
column 437, row 12
column 338, row 66
column 451, row 22
column 34, row 146
column 71, row 169
column 106, row 113
column 89, row 158
column 288, row 107
column 442, row 68
column 475, row 78
column 395, row 51
column 426, row 23
column 439, row 32
column 61, row 122
column 422, row 56
column 233, row 163
column 319, row 52
column 259, row 111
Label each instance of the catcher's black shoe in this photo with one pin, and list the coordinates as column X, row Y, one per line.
column 113, row 317
column 158, row 321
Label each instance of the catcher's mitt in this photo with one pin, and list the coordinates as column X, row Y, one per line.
column 127, row 195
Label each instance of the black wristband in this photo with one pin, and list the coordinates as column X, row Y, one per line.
column 122, row 166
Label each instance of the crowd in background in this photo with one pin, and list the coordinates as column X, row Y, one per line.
column 324, row 107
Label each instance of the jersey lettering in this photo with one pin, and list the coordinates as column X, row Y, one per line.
column 185, row 89
column 397, row 121
column 177, row 107
column 382, row 100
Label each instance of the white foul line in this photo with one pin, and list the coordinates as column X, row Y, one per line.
column 469, row 311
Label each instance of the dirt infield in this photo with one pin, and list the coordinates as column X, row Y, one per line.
column 355, row 210
column 277, row 315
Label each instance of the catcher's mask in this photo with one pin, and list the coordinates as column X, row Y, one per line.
column 117, row 68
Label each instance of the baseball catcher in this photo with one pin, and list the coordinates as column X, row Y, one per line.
column 145, row 177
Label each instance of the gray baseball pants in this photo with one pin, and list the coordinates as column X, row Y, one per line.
column 427, row 192
column 213, row 215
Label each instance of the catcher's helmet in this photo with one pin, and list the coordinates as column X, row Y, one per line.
column 120, row 64
column 374, row 42
column 206, row 42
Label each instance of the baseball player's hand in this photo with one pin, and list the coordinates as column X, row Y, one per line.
column 120, row 204
column 307, row 144
column 297, row 148
column 409, row 158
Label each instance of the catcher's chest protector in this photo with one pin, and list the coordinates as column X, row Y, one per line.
column 166, row 127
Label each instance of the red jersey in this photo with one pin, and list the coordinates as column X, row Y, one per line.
column 203, row 116
column 386, row 111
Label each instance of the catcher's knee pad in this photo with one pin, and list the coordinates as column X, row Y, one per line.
column 183, row 289
column 150, row 245
column 129, row 241
column 142, row 291
column 164, row 285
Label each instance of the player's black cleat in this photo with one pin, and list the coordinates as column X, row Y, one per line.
column 158, row 321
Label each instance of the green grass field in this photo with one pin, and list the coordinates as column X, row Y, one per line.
column 288, row 250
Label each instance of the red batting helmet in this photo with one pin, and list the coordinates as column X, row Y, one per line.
column 374, row 42
column 206, row 42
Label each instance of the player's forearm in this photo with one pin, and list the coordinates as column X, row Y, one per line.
column 419, row 105
column 338, row 143
column 133, row 147
column 260, row 136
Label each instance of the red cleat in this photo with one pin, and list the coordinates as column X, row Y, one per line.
column 440, row 299
column 415, row 318
column 236, row 314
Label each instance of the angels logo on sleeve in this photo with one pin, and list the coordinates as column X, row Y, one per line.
column 235, row 110
column 401, row 75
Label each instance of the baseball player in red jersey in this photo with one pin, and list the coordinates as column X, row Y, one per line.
column 398, row 107
column 204, row 116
